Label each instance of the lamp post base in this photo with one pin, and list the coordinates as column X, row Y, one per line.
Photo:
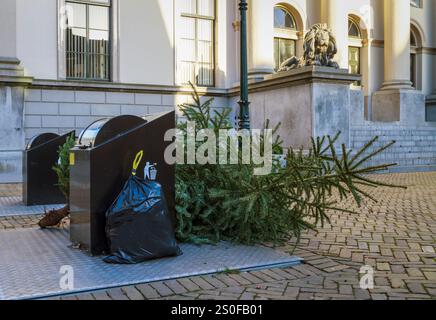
column 244, row 118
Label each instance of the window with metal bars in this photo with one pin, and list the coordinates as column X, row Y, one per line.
column 195, row 45
column 88, row 49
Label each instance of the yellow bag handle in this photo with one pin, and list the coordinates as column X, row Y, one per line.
column 137, row 161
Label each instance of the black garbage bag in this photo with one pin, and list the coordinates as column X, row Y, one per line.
column 138, row 225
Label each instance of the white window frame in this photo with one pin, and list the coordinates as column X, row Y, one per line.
column 356, row 42
column 115, row 56
column 178, row 15
column 287, row 34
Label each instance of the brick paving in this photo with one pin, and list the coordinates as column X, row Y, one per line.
column 10, row 190
column 19, row 222
column 395, row 236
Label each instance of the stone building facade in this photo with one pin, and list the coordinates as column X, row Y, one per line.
column 67, row 63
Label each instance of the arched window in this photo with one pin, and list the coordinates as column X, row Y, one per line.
column 285, row 35
column 354, row 47
column 413, row 41
column 415, row 57
column 283, row 19
column 353, row 29
column 413, row 46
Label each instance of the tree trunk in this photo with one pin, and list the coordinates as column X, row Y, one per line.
column 54, row 217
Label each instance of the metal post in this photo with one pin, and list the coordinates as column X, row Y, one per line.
column 244, row 116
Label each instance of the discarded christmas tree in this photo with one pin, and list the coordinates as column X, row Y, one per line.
column 62, row 169
column 228, row 202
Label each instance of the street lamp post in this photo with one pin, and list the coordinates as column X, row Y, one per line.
column 244, row 104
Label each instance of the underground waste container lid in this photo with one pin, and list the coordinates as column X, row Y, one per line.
column 104, row 130
column 41, row 139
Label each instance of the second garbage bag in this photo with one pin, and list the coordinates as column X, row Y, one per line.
column 138, row 225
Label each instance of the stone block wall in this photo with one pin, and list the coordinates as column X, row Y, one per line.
column 415, row 147
column 61, row 111
column 414, row 150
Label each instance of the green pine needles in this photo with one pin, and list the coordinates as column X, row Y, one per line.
column 227, row 202
column 62, row 168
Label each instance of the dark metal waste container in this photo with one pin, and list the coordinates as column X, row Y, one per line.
column 102, row 163
column 40, row 181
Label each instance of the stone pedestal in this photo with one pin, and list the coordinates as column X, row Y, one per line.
column 12, row 138
column 309, row 102
column 399, row 105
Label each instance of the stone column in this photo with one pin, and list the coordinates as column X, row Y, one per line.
column 397, row 101
column 334, row 14
column 397, row 44
column 260, row 38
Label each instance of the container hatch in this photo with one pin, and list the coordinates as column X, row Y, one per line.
column 40, row 140
column 104, row 130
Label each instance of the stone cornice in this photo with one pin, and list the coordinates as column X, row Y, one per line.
column 12, row 74
column 305, row 75
column 380, row 44
column 426, row 50
column 285, row 79
column 123, row 87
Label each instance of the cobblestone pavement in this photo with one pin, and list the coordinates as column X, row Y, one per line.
column 395, row 236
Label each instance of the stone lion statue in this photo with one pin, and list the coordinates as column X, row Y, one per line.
column 319, row 50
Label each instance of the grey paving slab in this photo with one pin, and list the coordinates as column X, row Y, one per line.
column 14, row 206
column 31, row 260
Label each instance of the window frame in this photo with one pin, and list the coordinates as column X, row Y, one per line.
column 359, row 49
column 413, row 44
column 355, row 42
column 414, row 69
column 416, row 4
column 287, row 11
column 279, row 39
column 285, row 33
column 180, row 14
column 113, row 62
column 356, row 24
column 415, row 65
